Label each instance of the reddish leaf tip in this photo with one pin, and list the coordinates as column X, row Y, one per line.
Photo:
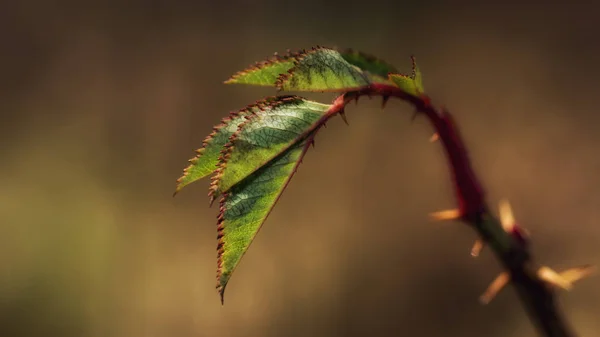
column 413, row 60
column 220, row 248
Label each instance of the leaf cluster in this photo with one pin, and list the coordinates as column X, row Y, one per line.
column 253, row 153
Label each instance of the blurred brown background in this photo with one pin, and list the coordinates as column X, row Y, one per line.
column 102, row 103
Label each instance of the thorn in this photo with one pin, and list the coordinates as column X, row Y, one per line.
column 506, row 216
column 434, row 137
column 212, row 200
column 175, row 193
column 343, row 115
column 312, row 142
column 552, row 277
column 477, row 247
column 384, row 101
column 575, row 274
column 325, row 125
column 494, row 288
column 451, row 214
column 414, row 116
column 356, row 100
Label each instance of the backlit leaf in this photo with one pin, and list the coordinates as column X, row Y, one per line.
column 244, row 208
column 207, row 157
column 417, row 76
column 413, row 84
column 377, row 69
column 268, row 131
column 265, row 73
column 322, row 69
column 405, row 83
column 255, row 152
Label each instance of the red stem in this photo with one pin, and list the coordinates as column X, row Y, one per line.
column 537, row 297
column 470, row 195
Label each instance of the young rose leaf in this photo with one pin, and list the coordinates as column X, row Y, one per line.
column 267, row 133
column 207, row 157
column 417, row 75
column 413, row 84
column 319, row 69
column 322, row 69
column 264, row 73
column 406, row 83
column 244, row 208
column 377, row 69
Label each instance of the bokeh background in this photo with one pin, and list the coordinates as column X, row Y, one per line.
column 102, row 103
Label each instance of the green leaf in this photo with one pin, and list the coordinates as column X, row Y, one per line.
column 207, row 157
column 376, row 68
column 413, row 84
column 322, row 69
column 245, row 207
column 265, row 73
column 405, row 83
column 268, row 132
column 319, row 69
column 417, row 75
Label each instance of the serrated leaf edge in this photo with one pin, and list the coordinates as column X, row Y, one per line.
column 251, row 112
column 220, row 244
column 282, row 78
column 285, row 77
column 413, row 76
column 367, row 56
column 199, row 152
column 276, row 58
column 221, row 216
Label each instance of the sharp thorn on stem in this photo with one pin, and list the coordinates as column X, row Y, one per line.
column 575, row 274
column 506, row 216
column 343, row 115
column 384, row 101
column 508, row 222
column 550, row 276
column 414, row 116
column 435, row 137
column 494, row 288
column 477, row 247
column 451, row 214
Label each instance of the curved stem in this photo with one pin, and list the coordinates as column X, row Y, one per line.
column 510, row 246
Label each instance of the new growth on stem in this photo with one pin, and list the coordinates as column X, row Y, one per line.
column 254, row 153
